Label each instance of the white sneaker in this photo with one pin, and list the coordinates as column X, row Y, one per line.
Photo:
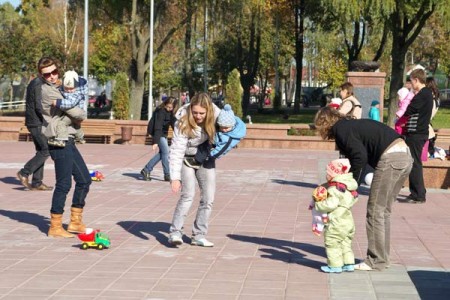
column 175, row 240
column 202, row 242
column 363, row 267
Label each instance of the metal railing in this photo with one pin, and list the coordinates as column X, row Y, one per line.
column 13, row 105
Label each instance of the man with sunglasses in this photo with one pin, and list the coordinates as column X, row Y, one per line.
column 68, row 160
column 34, row 121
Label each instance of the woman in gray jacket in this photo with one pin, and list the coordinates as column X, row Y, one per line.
column 195, row 125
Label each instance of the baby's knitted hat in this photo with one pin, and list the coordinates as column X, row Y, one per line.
column 70, row 79
column 226, row 117
column 338, row 167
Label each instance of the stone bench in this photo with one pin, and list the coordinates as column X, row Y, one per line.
column 436, row 174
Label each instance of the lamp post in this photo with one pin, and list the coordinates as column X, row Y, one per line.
column 150, row 75
column 85, row 55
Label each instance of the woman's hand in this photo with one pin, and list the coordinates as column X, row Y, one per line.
column 176, row 186
column 154, row 147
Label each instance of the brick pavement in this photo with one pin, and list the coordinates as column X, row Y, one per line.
column 260, row 226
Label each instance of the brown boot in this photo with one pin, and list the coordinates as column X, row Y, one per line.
column 76, row 223
column 56, row 229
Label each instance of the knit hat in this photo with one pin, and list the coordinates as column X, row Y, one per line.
column 375, row 102
column 402, row 93
column 226, row 117
column 338, row 167
column 70, row 79
column 335, row 103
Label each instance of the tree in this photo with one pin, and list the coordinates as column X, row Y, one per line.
column 406, row 22
column 121, row 96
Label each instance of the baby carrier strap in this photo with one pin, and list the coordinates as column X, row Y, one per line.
column 350, row 113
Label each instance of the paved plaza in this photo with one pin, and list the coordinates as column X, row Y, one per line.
column 261, row 227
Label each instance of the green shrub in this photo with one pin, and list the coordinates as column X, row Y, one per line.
column 121, row 96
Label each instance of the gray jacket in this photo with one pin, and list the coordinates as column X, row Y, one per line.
column 182, row 145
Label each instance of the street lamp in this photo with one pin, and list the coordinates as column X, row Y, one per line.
column 150, row 75
column 85, row 55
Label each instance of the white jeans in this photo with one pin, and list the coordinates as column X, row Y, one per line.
column 206, row 179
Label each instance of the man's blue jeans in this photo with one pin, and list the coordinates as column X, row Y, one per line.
column 162, row 155
column 35, row 165
column 68, row 163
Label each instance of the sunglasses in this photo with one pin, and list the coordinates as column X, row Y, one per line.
column 54, row 73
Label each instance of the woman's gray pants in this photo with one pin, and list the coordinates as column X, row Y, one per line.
column 206, row 179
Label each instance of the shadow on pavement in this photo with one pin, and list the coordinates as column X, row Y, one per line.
column 136, row 176
column 158, row 229
column 41, row 222
column 296, row 183
column 431, row 285
column 13, row 180
column 287, row 251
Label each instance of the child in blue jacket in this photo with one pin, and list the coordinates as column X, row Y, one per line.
column 231, row 131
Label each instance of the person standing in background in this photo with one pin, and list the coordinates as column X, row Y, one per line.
column 350, row 105
column 158, row 127
column 418, row 113
column 374, row 112
column 34, row 121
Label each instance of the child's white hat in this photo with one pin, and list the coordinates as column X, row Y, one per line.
column 70, row 79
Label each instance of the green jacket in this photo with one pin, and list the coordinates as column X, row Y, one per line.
column 338, row 204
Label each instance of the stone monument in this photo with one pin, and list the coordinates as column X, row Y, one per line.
column 368, row 84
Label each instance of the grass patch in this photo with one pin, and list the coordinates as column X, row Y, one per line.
column 305, row 116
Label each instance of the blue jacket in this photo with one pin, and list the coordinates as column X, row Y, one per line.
column 374, row 113
column 225, row 141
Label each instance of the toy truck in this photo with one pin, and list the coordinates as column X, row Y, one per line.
column 94, row 239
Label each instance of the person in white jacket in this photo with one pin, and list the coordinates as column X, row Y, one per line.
column 195, row 124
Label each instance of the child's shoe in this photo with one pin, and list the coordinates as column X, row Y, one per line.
column 56, row 143
column 328, row 269
column 81, row 141
column 348, row 268
column 316, row 231
column 191, row 163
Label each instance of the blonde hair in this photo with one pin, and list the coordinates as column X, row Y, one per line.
column 187, row 123
column 325, row 120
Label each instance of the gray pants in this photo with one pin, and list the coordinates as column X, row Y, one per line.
column 73, row 116
column 206, row 179
column 389, row 176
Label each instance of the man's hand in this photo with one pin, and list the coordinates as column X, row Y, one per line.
column 155, row 147
column 176, row 186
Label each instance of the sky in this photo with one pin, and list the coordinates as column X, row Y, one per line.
column 15, row 3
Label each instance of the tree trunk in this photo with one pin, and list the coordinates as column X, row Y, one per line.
column 187, row 67
column 277, row 99
column 299, row 32
column 397, row 74
column 246, row 82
